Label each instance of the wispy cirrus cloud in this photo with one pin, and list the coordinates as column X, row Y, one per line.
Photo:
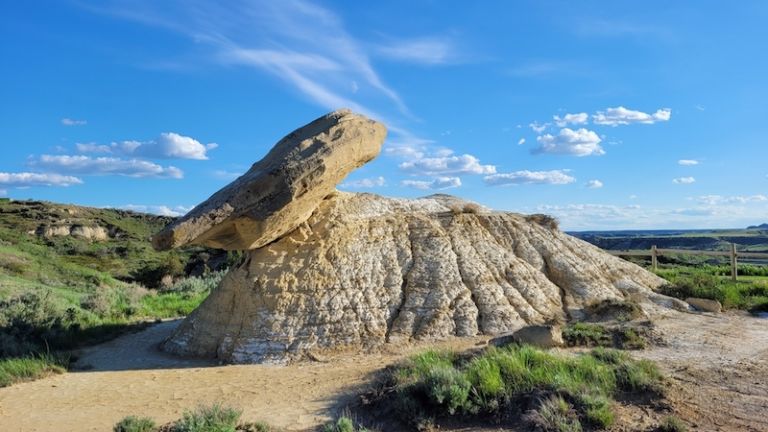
column 66, row 121
column 98, row 166
column 426, row 50
column 684, row 180
column 169, row 145
column 553, row 177
column 687, row 162
column 29, row 179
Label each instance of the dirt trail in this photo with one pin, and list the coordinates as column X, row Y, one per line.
column 130, row 376
column 719, row 366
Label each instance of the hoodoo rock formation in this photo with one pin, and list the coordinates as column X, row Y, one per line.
column 357, row 270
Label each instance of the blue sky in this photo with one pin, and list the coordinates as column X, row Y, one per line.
column 609, row 115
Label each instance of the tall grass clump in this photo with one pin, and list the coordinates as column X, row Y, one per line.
column 552, row 392
column 213, row 418
column 135, row 424
column 15, row 370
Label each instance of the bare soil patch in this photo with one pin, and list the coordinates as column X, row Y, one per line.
column 718, row 366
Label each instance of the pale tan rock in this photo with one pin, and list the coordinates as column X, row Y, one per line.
column 705, row 305
column 542, row 336
column 96, row 233
column 282, row 190
column 365, row 270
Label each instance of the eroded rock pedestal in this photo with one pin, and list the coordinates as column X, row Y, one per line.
column 365, row 270
column 358, row 270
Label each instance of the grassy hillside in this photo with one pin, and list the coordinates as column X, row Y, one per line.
column 73, row 275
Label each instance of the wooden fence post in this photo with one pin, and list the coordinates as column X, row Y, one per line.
column 654, row 258
column 734, row 263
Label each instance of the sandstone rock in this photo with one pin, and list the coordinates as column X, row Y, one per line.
column 97, row 233
column 705, row 305
column 366, row 270
column 543, row 336
column 282, row 190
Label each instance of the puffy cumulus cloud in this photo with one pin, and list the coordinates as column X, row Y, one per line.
column 624, row 116
column 554, row 177
column 687, row 162
column 161, row 210
column 539, row 127
column 594, row 184
column 576, row 119
column 581, row 142
column 86, row 165
column 713, row 200
column 29, row 179
column 366, row 183
column 437, row 183
column 72, row 122
column 684, row 180
column 521, row 141
column 444, row 165
column 169, row 145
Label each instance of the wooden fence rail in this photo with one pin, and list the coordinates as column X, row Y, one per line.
column 655, row 252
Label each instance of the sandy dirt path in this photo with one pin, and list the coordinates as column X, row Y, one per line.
column 718, row 365
column 128, row 376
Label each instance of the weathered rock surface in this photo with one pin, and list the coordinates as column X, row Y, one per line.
column 282, row 190
column 705, row 305
column 543, row 336
column 365, row 270
column 97, row 233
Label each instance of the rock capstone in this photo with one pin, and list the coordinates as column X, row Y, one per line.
column 282, row 190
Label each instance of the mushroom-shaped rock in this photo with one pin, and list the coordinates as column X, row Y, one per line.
column 282, row 190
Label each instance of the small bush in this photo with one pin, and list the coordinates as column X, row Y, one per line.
column 135, row 424
column 213, row 418
column 544, row 220
column 344, row 424
column 555, row 415
column 672, row 424
column 449, row 388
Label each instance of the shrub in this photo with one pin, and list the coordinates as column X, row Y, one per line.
column 544, row 220
column 448, row 387
column 213, row 418
column 135, row 424
column 344, row 424
column 555, row 415
column 672, row 424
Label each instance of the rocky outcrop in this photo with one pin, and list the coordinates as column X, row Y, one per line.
column 94, row 233
column 705, row 305
column 365, row 270
column 282, row 190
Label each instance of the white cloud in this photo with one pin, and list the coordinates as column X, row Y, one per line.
column 554, row 177
column 581, row 142
column 576, row 119
column 169, row 145
column 161, row 210
column 539, row 128
column 28, row 179
column 86, row 165
column 521, row 141
column 594, row 184
column 623, row 116
column 736, row 199
column 687, row 162
column 429, row 51
column 366, row 183
column 72, row 122
column 437, row 183
column 684, row 180
column 464, row 164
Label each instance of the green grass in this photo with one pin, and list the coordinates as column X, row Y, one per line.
column 672, row 424
column 745, row 294
column 15, row 370
column 497, row 381
column 213, row 418
column 599, row 335
column 135, row 424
